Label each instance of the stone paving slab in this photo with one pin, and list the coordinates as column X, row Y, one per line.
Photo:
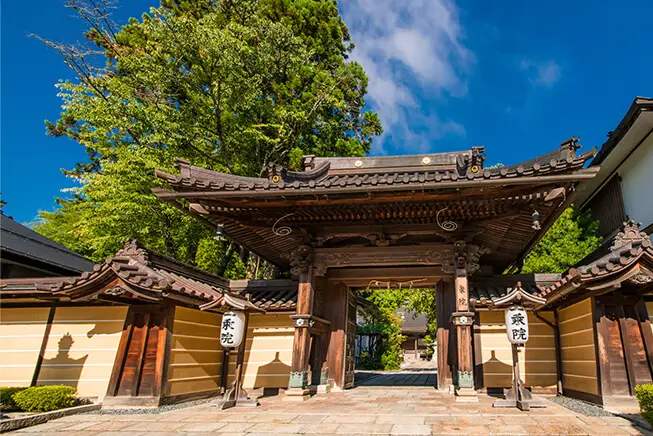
column 360, row 411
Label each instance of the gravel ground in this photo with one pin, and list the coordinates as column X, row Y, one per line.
column 161, row 409
column 578, row 406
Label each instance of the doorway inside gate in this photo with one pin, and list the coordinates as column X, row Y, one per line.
column 396, row 334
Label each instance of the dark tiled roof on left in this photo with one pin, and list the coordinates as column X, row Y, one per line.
column 19, row 240
column 150, row 276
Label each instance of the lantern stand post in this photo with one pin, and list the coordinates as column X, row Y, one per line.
column 236, row 395
column 514, row 303
column 517, row 396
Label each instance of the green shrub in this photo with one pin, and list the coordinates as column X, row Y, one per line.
column 648, row 417
column 46, row 398
column 6, row 397
column 644, row 395
column 366, row 361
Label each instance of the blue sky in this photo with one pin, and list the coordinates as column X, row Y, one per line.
column 517, row 77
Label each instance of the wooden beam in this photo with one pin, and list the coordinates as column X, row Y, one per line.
column 446, row 333
column 138, row 373
column 44, row 344
column 163, row 352
column 432, row 273
column 602, row 337
column 336, row 312
column 423, row 254
column 647, row 333
column 121, row 354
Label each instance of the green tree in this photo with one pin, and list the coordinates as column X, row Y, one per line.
column 422, row 301
column 381, row 317
column 571, row 238
column 230, row 85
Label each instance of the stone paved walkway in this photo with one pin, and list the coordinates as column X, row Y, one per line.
column 412, row 373
column 367, row 410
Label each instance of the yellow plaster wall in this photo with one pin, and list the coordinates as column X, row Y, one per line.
column 578, row 347
column 537, row 360
column 195, row 353
column 82, row 347
column 649, row 310
column 21, row 336
column 269, row 352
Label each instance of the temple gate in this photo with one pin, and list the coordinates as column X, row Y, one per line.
column 343, row 222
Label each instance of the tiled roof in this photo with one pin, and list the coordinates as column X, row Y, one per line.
column 152, row 277
column 487, row 291
column 18, row 240
column 629, row 247
column 270, row 295
column 143, row 269
column 322, row 180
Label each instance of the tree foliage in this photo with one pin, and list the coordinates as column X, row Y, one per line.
column 381, row 316
column 571, row 238
column 230, row 85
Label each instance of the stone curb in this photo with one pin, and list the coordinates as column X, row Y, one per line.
column 40, row 418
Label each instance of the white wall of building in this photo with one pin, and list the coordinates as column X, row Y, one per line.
column 637, row 183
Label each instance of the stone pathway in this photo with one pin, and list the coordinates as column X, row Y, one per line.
column 412, row 373
column 366, row 410
column 415, row 377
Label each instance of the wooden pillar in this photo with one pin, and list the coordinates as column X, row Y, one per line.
column 446, row 334
column 336, row 312
column 301, row 261
column 321, row 333
column 463, row 319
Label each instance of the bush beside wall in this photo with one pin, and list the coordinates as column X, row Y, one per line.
column 644, row 395
column 45, row 398
column 7, row 397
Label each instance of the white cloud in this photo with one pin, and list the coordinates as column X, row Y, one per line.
column 544, row 74
column 409, row 49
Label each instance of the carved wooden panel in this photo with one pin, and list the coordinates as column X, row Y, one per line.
column 426, row 254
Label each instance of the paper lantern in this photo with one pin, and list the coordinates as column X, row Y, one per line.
column 517, row 325
column 233, row 329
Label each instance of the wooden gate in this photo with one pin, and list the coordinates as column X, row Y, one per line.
column 138, row 370
column 625, row 332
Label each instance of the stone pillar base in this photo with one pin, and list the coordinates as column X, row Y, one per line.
column 319, row 389
column 297, row 394
column 466, row 395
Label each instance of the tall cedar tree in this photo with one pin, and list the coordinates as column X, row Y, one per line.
column 230, row 85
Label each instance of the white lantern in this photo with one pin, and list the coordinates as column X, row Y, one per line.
column 517, row 325
column 233, row 329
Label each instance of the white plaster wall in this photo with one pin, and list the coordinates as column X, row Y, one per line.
column 637, row 183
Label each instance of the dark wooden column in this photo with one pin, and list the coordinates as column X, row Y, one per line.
column 301, row 260
column 463, row 319
column 336, row 312
column 321, row 334
column 446, row 334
